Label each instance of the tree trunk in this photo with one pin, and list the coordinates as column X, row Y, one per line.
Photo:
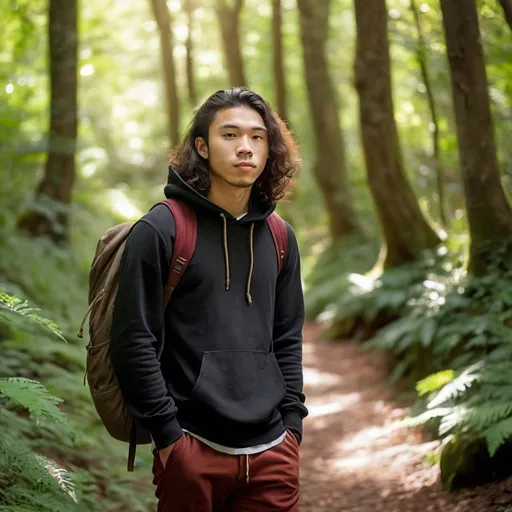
column 49, row 215
column 189, row 7
column 330, row 167
column 279, row 73
column 488, row 211
column 230, row 32
column 405, row 229
column 164, row 22
column 507, row 10
column 421, row 52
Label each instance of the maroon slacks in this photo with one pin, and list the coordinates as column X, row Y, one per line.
column 197, row 478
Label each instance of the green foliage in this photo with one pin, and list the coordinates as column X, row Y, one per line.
column 20, row 307
column 464, row 326
column 29, row 480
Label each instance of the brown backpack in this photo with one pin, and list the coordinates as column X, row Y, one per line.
column 103, row 284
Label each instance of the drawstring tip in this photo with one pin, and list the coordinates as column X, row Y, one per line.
column 227, row 285
column 249, row 299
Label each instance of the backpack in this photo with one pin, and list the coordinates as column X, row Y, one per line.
column 103, row 285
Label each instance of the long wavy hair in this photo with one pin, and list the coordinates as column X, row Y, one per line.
column 283, row 159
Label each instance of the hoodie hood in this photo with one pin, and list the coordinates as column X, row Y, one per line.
column 177, row 188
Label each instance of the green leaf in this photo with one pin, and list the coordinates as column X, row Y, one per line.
column 428, row 331
column 20, row 307
column 434, row 382
column 34, row 397
column 498, row 434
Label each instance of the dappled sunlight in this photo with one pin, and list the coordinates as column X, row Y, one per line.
column 316, row 378
column 332, row 404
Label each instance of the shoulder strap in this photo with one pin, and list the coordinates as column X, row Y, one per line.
column 184, row 243
column 280, row 235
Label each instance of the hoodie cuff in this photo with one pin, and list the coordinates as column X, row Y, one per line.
column 167, row 435
column 293, row 421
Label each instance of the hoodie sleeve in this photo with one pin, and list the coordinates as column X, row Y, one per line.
column 288, row 325
column 136, row 333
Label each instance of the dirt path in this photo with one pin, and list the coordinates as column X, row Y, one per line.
column 353, row 460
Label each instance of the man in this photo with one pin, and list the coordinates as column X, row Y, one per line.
column 224, row 405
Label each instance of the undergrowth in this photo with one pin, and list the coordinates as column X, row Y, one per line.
column 448, row 331
column 55, row 280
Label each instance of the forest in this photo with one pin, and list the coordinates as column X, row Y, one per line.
column 402, row 110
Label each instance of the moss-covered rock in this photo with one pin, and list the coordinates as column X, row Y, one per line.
column 465, row 462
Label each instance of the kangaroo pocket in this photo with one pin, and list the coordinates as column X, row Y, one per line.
column 239, row 386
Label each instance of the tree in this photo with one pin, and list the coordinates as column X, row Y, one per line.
column 164, row 22
column 279, row 73
column 230, row 32
column 330, row 167
column 421, row 52
column 189, row 8
column 488, row 210
column 406, row 231
column 48, row 215
column 507, row 10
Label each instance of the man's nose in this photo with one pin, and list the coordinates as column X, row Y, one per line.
column 245, row 147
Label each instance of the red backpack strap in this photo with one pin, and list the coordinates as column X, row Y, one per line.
column 279, row 232
column 184, row 243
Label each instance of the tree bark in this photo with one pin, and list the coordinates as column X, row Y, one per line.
column 488, row 210
column 279, row 73
column 230, row 32
column 189, row 7
column 422, row 61
column 49, row 214
column 330, row 167
column 507, row 10
column 405, row 229
column 163, row 19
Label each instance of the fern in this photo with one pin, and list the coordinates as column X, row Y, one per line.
column 20, row 307
column 34, row 397
column 457, row 386
column 498, row 434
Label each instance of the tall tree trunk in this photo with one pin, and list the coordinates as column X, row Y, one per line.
column 279, row 73
column 507, row 10
column 405, row 229
column 421, row 51
column 330, row 166
column 49, row 215
column 230, row 32
column 489, row 213
column 164, row 22
column 189, row 7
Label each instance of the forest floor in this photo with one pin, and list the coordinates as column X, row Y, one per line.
column 353, row 458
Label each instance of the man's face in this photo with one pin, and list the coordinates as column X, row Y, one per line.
column 238, row 146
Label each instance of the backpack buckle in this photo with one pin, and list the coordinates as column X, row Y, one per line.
column 179, row 264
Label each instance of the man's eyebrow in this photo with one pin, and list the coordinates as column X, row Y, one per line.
column 236, row 127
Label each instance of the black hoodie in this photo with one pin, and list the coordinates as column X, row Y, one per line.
column 231, row 370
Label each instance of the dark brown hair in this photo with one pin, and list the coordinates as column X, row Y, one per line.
column 283, row 155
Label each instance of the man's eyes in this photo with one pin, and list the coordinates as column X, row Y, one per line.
column 231, row 135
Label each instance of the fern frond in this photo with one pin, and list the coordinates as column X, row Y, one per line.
column 421, row 419
column 482, row 416
column 457, row 386
column 498, row 434
column 34, row 397
column 60, row 475
column 20, row 307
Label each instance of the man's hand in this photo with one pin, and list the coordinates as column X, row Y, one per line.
column 165, row 452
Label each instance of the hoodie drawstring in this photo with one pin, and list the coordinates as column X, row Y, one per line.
column 247, row 468
column 226, row 252
column 249, row 278
column 226, row 257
